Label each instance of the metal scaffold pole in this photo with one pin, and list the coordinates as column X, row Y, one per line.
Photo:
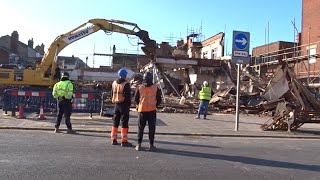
column 156, row 77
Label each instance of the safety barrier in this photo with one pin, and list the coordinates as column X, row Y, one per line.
column 34, row 100
column 87, row 102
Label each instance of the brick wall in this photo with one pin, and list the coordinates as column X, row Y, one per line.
column 310, row 32
column 272, row 47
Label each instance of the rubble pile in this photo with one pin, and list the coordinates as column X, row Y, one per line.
column 283, row 97
column 174, row 105
column 93, row 85
column 293, row 99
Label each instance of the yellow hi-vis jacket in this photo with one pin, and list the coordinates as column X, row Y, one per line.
column 205, row 93
column 63, row 89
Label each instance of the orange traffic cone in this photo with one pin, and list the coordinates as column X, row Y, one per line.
column 41, row 114
column 21, row 112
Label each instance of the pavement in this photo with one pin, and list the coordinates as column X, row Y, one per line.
column 216, row 125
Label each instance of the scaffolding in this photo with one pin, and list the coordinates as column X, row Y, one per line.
column 299, row 55
column 172, row 39
column 195, row 33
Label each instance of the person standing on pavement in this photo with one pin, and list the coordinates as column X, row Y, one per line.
column 205, row 96
column 147, row 98
column 63, row 92
column 121, row 97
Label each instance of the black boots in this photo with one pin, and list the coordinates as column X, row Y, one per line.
column 126, row 144
column 114, row 142
column 70, row 131
column 152, row 148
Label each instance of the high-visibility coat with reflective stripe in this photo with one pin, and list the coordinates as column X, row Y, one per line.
column 117, row 92
column 148, row 100
column 205, row 93
column 63, row 89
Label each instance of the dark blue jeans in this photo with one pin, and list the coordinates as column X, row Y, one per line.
column 64, row 108
column 203, row 107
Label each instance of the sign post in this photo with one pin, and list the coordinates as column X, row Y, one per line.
column 240, row 55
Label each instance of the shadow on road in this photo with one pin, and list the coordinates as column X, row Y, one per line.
column 185, row 144
column 104, row 135
column 242, row 159
column 305, row 131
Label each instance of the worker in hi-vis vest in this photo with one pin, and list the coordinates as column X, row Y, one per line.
column 147, row 98
column 205, row 96
column 121, row 97
column 63, row 92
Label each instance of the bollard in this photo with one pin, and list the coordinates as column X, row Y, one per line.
column 21, row 112
column 13, row 113
column 41, row 114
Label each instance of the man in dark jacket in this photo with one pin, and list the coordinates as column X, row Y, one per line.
column 147, row 98
column 121, row 97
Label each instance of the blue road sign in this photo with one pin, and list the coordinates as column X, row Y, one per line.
column 241, row 41
column 240, row 47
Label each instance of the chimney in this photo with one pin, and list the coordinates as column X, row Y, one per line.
column 14, row 42
column 42, row 48
column 114, row 49
column 30, row 43
column 179, row 43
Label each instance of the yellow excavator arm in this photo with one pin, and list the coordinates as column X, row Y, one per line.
column 45, row 73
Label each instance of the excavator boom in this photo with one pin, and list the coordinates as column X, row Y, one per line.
column 45, row 74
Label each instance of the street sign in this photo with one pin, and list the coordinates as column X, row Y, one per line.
column 240, row 47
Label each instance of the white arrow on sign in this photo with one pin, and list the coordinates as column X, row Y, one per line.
column 243, row 41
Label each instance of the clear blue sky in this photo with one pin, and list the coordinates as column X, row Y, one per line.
column 45, row 20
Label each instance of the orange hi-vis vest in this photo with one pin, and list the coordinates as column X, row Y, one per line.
column 117, row 92
column 148, row 100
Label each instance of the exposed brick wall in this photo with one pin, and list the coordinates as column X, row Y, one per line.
column 272, row 47
column 264, row 49
column 310, row 32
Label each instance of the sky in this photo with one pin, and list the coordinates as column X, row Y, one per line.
column 165, row 20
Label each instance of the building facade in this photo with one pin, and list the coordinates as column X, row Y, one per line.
column 309, row 67
column 212, row 48
column 19, row 52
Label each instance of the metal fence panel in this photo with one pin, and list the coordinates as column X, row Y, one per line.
column 33, row 99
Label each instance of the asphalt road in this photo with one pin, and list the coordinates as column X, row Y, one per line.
column 43, row 155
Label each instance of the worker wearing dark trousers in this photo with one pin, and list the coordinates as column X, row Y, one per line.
column 148, row 98
column 64, row 108
column 63, row 92
column 121, row 97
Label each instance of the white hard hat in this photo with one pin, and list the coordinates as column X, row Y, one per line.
column 205, row 83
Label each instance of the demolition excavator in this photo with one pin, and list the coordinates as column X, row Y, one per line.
column 46, row 73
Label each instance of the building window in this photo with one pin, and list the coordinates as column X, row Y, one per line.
column 312, row 53
column 205, row 55
column 214, row 53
